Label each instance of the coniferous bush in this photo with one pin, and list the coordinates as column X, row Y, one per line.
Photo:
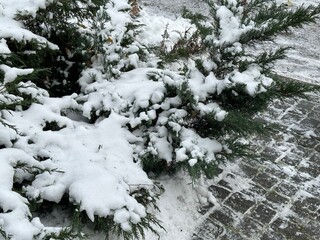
column 70, row 36
column 61, row 23
column 242, row 83
column 89, row 63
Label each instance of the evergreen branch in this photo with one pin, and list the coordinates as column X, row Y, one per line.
column 7, row 124
column 108, row 226
column 3, row 234
column 66, row 233
column 237, row 149
column 185, row 94
column 276, row 20
column 300, row 16
column 240, row 124
column 269, row 12
column 194, row 17
column 33, row 170
column 251, row 104
column 198, row 19
column 210, row 170
column 265, row 60
column 237, row 99
column 289, row 88
column 251, row 7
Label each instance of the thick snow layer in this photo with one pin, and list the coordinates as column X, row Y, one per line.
column 10, row 8
column 199, row 148
column 90, row 161
column 86, row 161
column 12, row 73
column 15, row 209
column 253, row 80
column 4, row 47
column 229, row 25
column 10, row 28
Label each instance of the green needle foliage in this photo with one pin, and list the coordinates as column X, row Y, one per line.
column 68, row 32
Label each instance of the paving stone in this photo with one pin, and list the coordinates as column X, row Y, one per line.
column 317, row 108
column 301, row 178
column 310, row 122
column 311, row 203
column 290, row 229
column 224, row 216
column 275, row 198
column 219, row 192
column 273, row 112
column 250, row 228
column 286, row 188
column 209, row 230
column 290, row 138
column 313, row 170
column 225, row 183
column 317, row 148
column 292, row 116
column 305, row 106
column 254, row 162
column 315, row 158
column 239, row 202
column 313, row 188
column 290, row 101
column 299, row 130
column 265, row 180
column 303, row 152
column 291, row 160
column 313, row 228
column 275, row 171
column 231, row 235
column 254, row 190
column 270, row 154
column 262, row 214
column 278, row 104
column 308, row 142
column 272, row 235
column 248, row 170
column 317, row 132
column 314, row 114
column 305, row 208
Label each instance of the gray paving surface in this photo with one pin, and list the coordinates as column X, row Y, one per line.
column 278, row 196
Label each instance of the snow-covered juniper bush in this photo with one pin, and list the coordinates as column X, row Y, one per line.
column 93, row 107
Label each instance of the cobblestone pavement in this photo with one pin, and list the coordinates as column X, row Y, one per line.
column 278, row 196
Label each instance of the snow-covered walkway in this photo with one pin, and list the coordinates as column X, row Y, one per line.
column 278, row 196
